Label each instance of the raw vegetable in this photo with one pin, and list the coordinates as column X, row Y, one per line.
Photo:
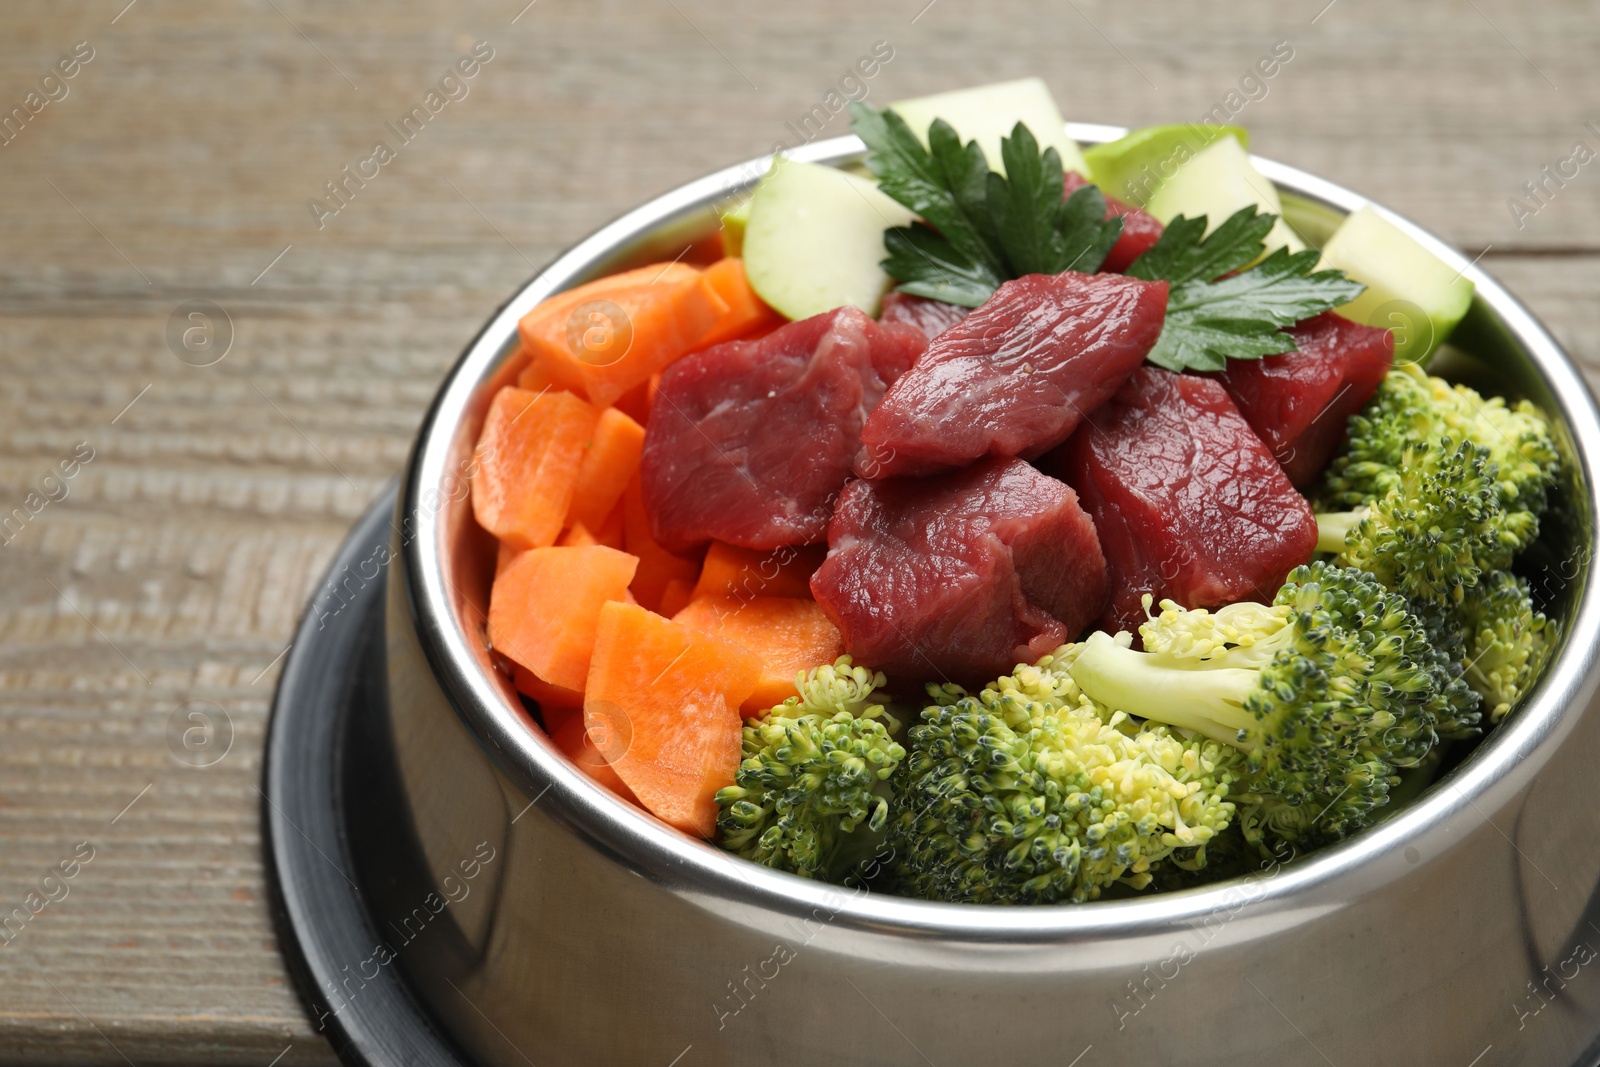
column 1444, row 489
column 604, row 340
column 812, row 793
column 551, row 698
column 635, row 403
column 675, row 596
column 1211, row 318
column 977, row 228
column 609, row 462
column 662, row 703
column 1408, row 287
column 1329, row 692
column 576, row 536
column 747, row 313
column 745, row 572
column 734, row 218
column 987, row 113
column 553, row 313
column 1028, row 792
column 657, row 566
column 790, row 636
column 545, row 605
column 1134, row 165
column 528, row 458
column 815, row 239
column 1218, row 182
column 572, row 737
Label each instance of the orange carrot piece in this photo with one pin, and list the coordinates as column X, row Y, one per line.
column 635, row 403
column 504, row 554
column 657, row 566
column 535, row 377
column 573, row 738
column 746, row 573
column 788, row 635
column 577, row 536
column 611, row 339
column 528, row 458
column 544, row 608
column 610, row 532
column 662, row 703
column 675, row 596
column 608, row 465
column 746, row 313
column 551, row 698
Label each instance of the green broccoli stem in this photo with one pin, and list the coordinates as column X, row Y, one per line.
column 1208, row 701
column 1334, row 526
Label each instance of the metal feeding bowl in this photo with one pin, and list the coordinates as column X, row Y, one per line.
column 1458, row 928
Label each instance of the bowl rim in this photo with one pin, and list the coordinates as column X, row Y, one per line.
column 1498, row 769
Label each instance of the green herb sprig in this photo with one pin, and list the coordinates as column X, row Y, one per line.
column 1215, row 314
column 977, row 229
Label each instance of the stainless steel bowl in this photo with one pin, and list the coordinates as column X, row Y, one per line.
column 1456, row 933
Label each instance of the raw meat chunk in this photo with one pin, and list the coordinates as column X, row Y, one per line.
column 932, row 317
column 1299, row 402
column 1014, row 377
column 750, row 442
column 961, row 576
column 1189, row 504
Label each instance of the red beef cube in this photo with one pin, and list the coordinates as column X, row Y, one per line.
column 1015, row 376
column 1140, row 230
column 961, row 576
column 750, row 442
column 932, row 317
column 1300, row 402
column 1189, row 504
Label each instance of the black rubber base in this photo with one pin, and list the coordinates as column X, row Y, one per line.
column 327, row 783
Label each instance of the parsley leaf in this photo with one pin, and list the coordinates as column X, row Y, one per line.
column 977, row 228
column 1211, row 318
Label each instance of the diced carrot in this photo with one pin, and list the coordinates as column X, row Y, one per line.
column 657, row 566
column 608, row 464
column 544, row 608
column 610, row 339
column 535, row 377
column 788, row 635
column 610, row 532
column 551, row 698
column 556, row 718
column 745, row 573
column 662, row 704
column 635, row 403
column 561, row 304
column 573, row 738
column 504, row 555
column 746, row 313
column 528, row 457
column 675, row 596
column 577, row 536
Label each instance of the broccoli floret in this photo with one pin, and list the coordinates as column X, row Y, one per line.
column 1030, row 793
column 1412, row 410
column 1328, row 692
column 1506, row 641
column 1445, row 489
column 1437, row 530
column 815, row 770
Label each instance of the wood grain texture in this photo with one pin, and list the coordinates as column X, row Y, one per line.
column 179, row 166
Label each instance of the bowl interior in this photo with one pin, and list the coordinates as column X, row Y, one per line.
column 450, row 563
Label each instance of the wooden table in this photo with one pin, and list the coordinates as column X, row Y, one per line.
column 178, row 167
